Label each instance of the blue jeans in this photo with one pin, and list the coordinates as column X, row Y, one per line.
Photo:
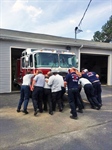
column 24, row 97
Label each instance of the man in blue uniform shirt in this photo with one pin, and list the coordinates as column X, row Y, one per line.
column 71, row 80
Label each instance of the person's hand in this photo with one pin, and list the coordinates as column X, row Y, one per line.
column 32, row 88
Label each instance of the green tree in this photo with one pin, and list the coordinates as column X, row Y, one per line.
column 106, row 33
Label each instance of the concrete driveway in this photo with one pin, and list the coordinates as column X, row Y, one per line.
column 92, row 131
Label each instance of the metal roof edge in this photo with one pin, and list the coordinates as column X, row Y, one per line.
column 41, row 38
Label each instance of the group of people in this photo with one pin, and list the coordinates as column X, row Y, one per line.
column 48, row 90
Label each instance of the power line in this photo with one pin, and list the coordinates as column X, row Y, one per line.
column 84, row 13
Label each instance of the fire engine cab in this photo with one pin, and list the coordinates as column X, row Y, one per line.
column 45, row 59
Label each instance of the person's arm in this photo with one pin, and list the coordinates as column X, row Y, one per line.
column 78, row 73
column 65, row 84
column 66, row 80
column 46, row 80
column 32, row 76
column 32, row 86
column 33, row 82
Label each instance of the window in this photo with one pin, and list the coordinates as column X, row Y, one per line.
column 67, row 60
column 46, row 60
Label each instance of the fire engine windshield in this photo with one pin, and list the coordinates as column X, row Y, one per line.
column 55, row 60
column 46, row 60
column 68, row 60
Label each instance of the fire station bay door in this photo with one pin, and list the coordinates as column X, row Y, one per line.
column 96, row 63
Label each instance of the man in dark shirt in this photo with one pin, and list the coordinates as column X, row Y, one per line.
column 71, row 80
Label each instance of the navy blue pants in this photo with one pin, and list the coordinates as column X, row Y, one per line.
column 24, row 97
column 47, row 99
column 89, row 91
column 74, row 100
column 97, row 91
column 56, row 98
column 37, row 98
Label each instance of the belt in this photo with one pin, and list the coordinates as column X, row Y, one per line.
column 38, row 86
column 95, row 81
column 72, row 88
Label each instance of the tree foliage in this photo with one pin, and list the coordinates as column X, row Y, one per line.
column 106, row 33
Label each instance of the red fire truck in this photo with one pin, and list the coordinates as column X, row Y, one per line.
column 45, row 59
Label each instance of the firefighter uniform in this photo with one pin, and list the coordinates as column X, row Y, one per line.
column 71, row 80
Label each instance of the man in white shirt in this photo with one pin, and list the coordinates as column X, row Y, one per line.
column 37, row 91
column 47, row 94
column 56, row 82
column 25, row 92
column 89, row 91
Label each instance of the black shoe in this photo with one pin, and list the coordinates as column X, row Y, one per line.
column 73, row 117
column 99, row 107
column 45, row 110
column 51, row 113
column 35, row 113
column 24, row 111
column 41, row 111
column 60, row 110
column 18, row 110
column 93, row 107
column 80, row 110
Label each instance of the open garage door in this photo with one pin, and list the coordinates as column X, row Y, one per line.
column 96, row 63
column 15, row 56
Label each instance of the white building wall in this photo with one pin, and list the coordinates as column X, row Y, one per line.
column 5, row 59
column 5, row 74
column 109, row 79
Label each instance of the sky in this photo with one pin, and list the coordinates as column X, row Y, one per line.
column 55, row 17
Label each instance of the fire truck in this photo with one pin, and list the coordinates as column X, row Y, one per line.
column 46, row 59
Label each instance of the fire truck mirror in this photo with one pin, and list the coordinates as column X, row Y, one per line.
column 77, row 62
column 26, row 61
column 26, row 58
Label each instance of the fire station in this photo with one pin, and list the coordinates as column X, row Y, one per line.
column 95, row 56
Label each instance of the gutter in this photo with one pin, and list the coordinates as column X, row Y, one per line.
column 75, row 43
